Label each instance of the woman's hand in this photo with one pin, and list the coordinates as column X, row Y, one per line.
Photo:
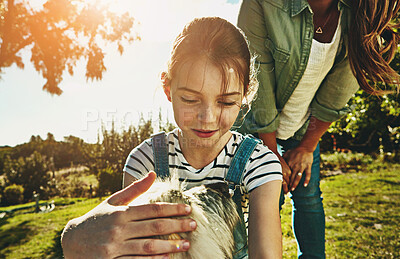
column 113, row 229
column 300, row 161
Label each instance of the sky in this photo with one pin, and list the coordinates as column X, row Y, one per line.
column 130, row 86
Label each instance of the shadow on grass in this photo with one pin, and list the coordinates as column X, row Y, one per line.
column 3, row 221
column 14, row 236
column 56, row 250
column 389, row 182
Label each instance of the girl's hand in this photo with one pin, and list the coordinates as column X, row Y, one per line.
column 286, row 174
column 300, row 161
column 113, row 229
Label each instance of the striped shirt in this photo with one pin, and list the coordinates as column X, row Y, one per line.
column 262, row 167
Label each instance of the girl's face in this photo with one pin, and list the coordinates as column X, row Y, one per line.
column 202, row 111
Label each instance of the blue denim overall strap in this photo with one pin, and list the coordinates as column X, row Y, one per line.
column 160, row 154
column 233, row 178
column 240, row 159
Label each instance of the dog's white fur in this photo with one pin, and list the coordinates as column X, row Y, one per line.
column 212, row 209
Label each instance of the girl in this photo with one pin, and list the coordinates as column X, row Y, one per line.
column 313, row 56
column 207, row 81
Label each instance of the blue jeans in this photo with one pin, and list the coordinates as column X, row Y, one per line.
column 308, row 211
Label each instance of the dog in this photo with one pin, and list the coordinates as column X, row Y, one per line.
column 213, row 210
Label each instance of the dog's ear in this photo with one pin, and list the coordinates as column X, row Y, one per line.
column 219, row 187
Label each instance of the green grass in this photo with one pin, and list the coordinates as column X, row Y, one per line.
column 363, row 214
column 37, row 235
column 362, row 210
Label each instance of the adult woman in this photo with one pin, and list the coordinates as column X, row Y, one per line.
column 312, row 55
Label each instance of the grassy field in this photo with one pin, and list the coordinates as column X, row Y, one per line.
column 362, row 206
column 37, row 235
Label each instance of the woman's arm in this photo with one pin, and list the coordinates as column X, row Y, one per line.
column 300, row 159
column 269, row 140
column 265, row 234
column 113, row 229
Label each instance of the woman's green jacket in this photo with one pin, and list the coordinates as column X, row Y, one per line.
column 280, row 33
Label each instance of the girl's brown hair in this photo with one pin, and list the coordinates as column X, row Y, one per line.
column 224, row 45
column 373, row 42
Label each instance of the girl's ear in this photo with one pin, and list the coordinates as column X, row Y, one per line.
column 167, row 91
column 166, row 85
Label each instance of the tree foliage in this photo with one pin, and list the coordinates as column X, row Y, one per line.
column 373, row 125
column 59, row 35
column 30, row 172
column 61, row 154
column 112, row 152
column 109, row 158
column 109, row 181
column 32, row 164
column 13, row 194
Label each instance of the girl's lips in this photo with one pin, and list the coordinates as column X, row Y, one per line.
column 204, row 133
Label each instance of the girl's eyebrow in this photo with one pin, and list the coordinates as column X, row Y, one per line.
column 231, row 93
column 197, row 92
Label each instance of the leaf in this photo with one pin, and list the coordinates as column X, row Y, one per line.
column 55, row 36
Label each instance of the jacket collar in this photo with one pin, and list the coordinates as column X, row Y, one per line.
column 297, row 6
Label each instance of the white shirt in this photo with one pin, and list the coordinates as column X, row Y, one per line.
column 296, row 111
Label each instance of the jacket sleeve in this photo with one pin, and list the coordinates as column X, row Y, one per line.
column 263, row 116
column 330, row 101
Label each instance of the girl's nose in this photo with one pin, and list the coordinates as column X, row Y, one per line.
column 207, row 113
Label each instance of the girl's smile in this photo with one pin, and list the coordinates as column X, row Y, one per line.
column 204, row 133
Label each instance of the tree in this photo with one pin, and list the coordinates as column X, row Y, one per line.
column 30, row 172
column 108, row 157
column 373, row 125
column 13, row 194
column 4, row 151
column 109, row 181
column 59, row 35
